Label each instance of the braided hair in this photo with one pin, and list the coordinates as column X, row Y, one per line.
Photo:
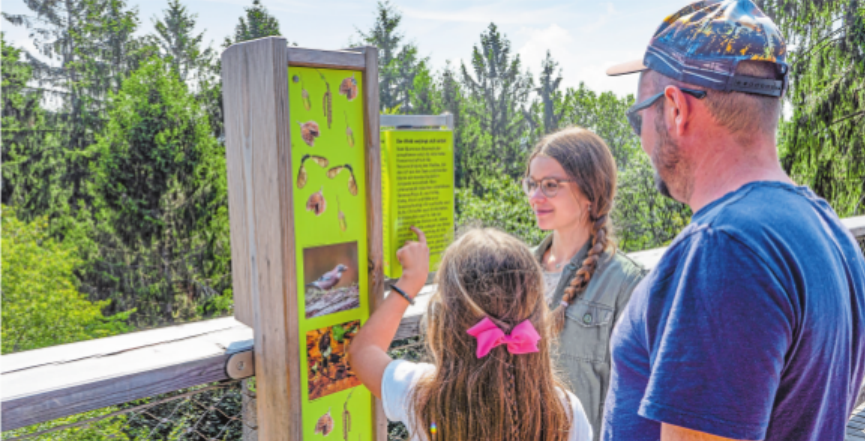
column 587, row 160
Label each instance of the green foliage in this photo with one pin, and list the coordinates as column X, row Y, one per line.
column 548, row 104
column 41, row 303
column 90, row 47
column 643, row 219
column 30, row 152
column 401, row 69
column 176, row 40
column 258, row 23
column 823, row 144
column 161, row 212
column 106, row 429
column 503, row 205
column 496, row 92
column 603, row 114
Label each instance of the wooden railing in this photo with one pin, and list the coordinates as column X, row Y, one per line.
column 45, row 384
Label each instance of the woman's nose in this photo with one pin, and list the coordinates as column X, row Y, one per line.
column 537, row 195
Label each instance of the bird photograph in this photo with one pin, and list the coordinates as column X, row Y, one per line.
column 328, row 370
column 330, row 279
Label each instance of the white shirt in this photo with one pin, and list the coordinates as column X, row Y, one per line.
column 401, row 376
column 551, row 282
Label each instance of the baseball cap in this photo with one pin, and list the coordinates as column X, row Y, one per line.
column 704, row 42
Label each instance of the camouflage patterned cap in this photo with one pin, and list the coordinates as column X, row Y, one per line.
column 704, row 42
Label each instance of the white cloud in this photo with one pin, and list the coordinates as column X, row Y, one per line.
column 580, row 62
column 552, row 38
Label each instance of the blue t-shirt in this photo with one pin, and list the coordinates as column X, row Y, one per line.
column 752, row 325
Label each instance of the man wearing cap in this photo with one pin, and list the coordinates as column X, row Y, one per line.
column 752, row 325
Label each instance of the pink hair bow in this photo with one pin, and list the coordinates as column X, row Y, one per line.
column 522, row 340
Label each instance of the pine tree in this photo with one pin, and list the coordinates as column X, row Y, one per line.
column 258, row 23
column 497, row 93
column 177, row 41
column 399, row 63
column 160, row 178
column 30, row 155
column 85, row 48
column 549, row 98
column 823, row 144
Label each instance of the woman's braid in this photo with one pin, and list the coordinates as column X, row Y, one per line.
column 584, row 274
column 513, row 411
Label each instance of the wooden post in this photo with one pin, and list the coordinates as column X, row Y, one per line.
column 255, row 97
column 262, row 205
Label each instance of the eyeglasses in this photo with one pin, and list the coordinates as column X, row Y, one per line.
column 633, row 114
column 549, row 186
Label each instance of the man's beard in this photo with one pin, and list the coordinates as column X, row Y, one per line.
column 666, row 159
column 661, row 186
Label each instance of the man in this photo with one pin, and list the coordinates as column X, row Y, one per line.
column 752, row 325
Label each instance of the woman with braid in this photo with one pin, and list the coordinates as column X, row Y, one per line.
column 488, row 333
column 570, row 183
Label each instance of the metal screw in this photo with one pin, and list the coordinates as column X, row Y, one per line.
column 241, row 366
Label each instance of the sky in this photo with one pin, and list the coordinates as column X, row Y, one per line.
column 585, row 37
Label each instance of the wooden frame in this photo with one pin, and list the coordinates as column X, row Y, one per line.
column 258, row 150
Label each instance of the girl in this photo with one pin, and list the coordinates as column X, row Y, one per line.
column 489, row 339
column 570, row 184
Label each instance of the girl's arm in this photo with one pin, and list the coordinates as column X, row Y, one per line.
column 367, row 352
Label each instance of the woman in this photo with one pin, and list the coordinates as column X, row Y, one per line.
column 570, row 183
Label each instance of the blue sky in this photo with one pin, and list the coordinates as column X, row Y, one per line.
column 584, row 36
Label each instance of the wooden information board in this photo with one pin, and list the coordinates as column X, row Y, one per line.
column 302, row 146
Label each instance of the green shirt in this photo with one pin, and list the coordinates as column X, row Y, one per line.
column 583, row 351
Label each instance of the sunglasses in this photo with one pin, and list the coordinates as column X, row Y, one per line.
column 635, row 119
column 549, row 186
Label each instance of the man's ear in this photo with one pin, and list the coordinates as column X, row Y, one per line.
column 677, row 112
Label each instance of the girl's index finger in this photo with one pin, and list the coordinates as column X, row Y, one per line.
column 420, row 236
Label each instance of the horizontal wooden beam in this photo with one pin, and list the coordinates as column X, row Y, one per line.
column 346, row 59
column 59, row 381
column 856, row 226
column 55, row 382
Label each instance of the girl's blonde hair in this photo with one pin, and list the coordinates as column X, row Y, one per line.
column 487, row 273
column 588, row 161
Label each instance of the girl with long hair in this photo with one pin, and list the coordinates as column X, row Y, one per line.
column 488, row 334
column 570, row 183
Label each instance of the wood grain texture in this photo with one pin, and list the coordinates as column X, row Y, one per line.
column 65, row 354
column 123, row 368
column 351, row 60
column 374, row 220
column 255, row 96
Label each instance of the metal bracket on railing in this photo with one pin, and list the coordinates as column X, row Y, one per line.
column 240, row 365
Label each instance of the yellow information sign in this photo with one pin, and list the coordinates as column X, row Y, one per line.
column 417, row 190
column 330, row 231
